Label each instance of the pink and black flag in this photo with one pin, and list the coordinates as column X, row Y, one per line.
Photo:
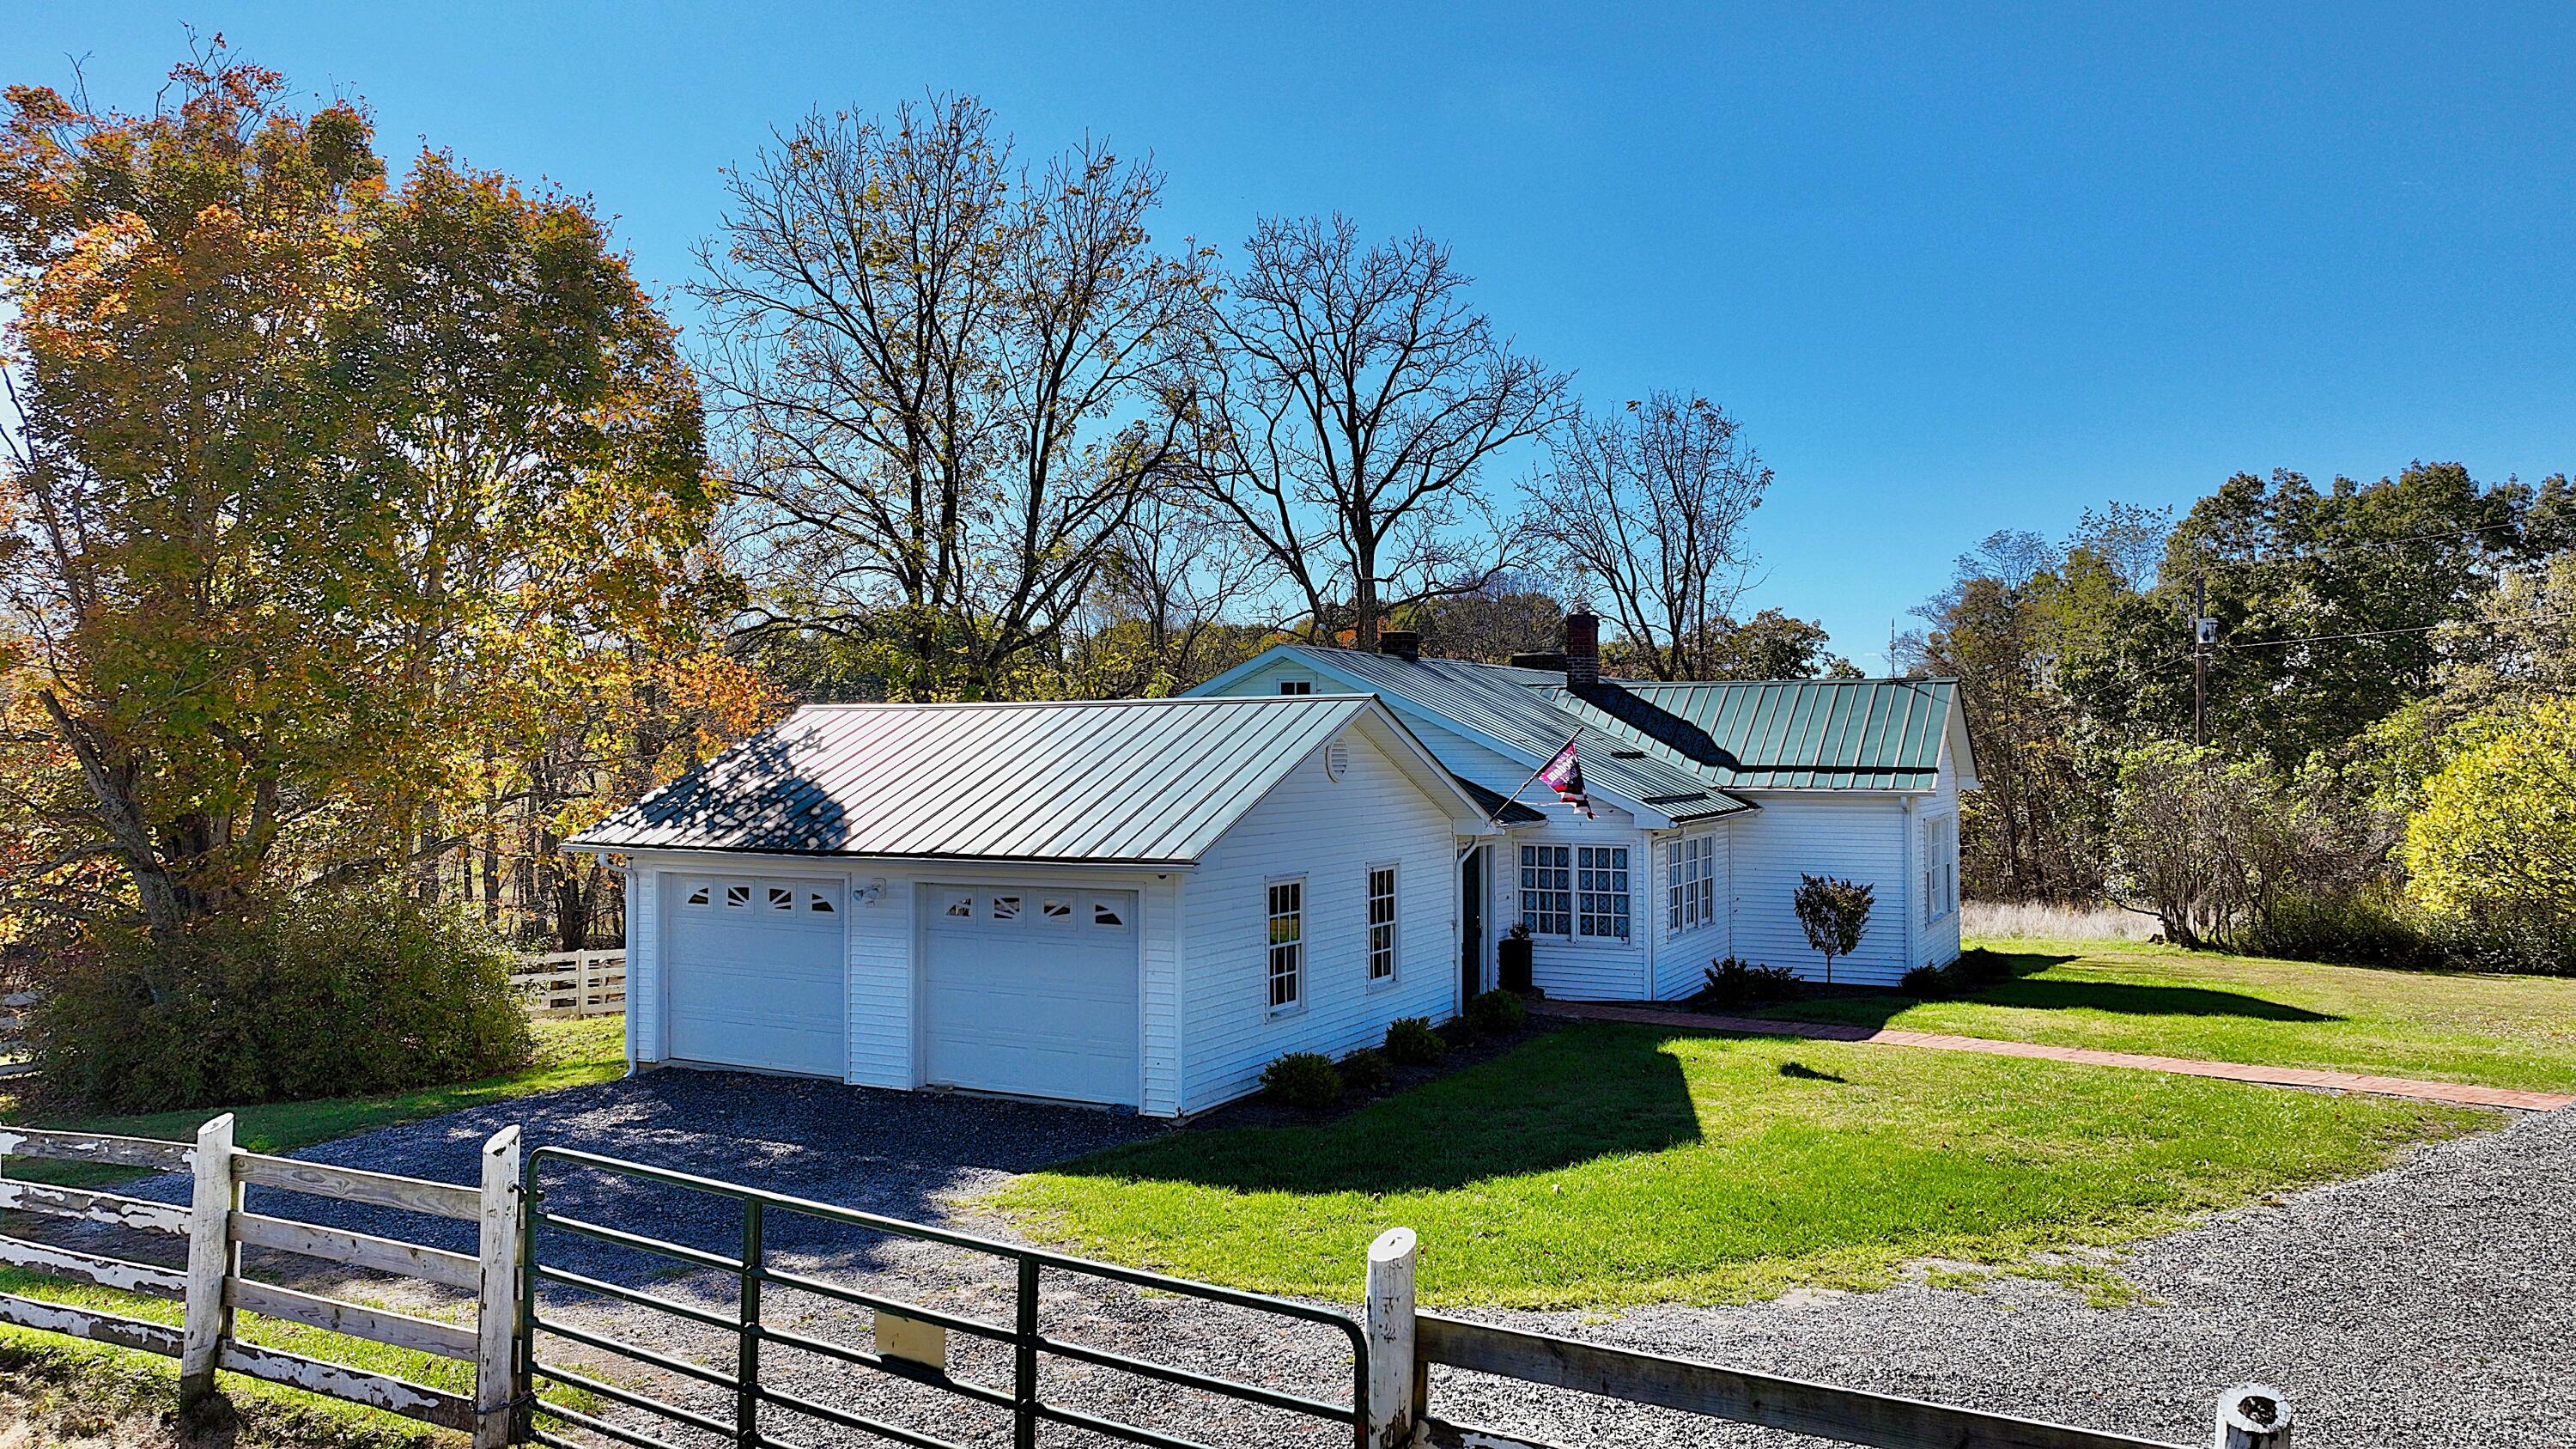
column 1564, row 775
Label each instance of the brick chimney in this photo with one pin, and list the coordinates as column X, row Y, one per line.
column 1582, row 647
column 1402, row 643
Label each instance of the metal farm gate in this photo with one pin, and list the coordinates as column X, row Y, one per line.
column 910, row 1338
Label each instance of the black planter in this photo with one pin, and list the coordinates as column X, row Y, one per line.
column 1513, row 960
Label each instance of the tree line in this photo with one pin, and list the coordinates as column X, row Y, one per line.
column 2359, row 758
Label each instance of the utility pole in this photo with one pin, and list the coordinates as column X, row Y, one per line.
column 2200, row 635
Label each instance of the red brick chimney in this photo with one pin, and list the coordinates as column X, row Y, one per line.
column 1582, row 647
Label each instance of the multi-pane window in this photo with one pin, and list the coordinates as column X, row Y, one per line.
column 1381, row 923
column 1287, row 943
column 1296, row 686
column 1690, row 882
column 1547, row 889
column 1940, row 867
column 1601, row 891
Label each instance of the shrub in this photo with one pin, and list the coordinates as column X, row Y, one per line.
column 1928, row 983
column 1410, row 1042
column 1978, row 968
column 1306, row 1081
column 2360, row 929
column 1366, row 1070
column 334, row 994
column 1496, row 1013
column 1734, row 983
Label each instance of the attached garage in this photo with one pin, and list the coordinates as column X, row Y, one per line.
column 754, row 973
column 1032, row 990
column 1068, row 900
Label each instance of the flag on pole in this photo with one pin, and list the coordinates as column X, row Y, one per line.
column 1564, row 775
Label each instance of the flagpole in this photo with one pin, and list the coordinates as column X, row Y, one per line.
column 1508, row 800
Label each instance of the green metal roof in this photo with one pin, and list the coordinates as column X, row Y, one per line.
column 1806, row 734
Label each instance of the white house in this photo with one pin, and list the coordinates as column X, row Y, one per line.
column 1144, row 902
column 1132, row 902
column 1711, row 799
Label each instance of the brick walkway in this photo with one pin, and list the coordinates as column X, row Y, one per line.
column 2460, row 1093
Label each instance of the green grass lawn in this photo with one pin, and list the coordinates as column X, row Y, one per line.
column 570, row 1053
column 2498, row 1031
column 1602, row 1165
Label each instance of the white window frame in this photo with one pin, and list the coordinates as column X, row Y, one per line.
column 1604, row 894
column 1690, row 882
column 1547, row 889
column 1382, row 935
column 1940, row 867
column 1294, row 946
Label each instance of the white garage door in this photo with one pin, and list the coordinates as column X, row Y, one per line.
column 752, row 973
column 1032, row 991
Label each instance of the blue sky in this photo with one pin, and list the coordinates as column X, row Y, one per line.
column 1955, row 268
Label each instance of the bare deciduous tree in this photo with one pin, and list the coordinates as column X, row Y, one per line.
column 937, row 377
column 1649, row 504
column 1349, row 398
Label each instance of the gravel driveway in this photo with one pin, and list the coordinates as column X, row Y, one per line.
column 2429, row 1305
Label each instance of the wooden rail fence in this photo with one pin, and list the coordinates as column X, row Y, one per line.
column 212, row 1289
column 1405, row 1343
column 572, row 983
column 1402, row 1343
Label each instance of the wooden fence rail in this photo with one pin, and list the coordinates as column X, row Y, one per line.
column 212, row 1288
column 572, row 983
column 1404, row 1343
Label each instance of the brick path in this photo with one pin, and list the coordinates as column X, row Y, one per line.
column 2460, row 1093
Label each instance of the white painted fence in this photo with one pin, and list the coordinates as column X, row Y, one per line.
column 212, row 1288
column 572, row 983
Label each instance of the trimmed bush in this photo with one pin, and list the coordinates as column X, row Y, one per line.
column 1928, row 983
column 1497, row 1013
column 2361, row 929
column 1366, row 1070
column 1410, row 1042
column 1734, row 983
column 336, row 994
column 1306, row 1081
column 1978, row 968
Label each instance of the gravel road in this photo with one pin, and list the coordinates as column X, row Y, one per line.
column 2429, row 1305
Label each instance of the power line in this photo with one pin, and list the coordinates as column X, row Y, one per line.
column 2384, row 633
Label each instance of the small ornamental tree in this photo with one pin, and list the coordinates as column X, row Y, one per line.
column 1835, row 913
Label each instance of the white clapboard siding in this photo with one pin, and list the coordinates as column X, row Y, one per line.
column 1584, row 969
column 643, row 963
column 1330, row 831
column 1859, row 837
column 1936, row 941
column 882, row 936
column 1682, row 958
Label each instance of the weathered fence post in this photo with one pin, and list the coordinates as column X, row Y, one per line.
column 1392, row 1412
column 2253, row 1416
column 496, row 1312
column 207, row 1322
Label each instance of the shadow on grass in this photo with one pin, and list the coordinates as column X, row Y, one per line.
column 2025, row 988
column 1557, row 1101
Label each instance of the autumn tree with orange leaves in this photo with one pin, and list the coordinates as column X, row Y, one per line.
column 356, row 528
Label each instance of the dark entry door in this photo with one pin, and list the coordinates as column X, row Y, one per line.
column 1471, row 925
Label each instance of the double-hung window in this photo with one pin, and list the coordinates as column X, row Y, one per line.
column 1381, row 923
column 1940, row 866
column 1287, row 944
column 1601, row 892
column 1547, row 889
column 1690, row 883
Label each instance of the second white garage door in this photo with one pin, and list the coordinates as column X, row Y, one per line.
column 1032, row 991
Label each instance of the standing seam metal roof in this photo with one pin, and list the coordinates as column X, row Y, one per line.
column 1693, row 741
column 1132, row 781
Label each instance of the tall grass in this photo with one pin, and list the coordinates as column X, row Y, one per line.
column 2039, row 920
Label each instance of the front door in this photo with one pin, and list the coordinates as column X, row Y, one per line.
column 1471, row 925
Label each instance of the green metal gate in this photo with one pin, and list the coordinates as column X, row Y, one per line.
column 753, row 1272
